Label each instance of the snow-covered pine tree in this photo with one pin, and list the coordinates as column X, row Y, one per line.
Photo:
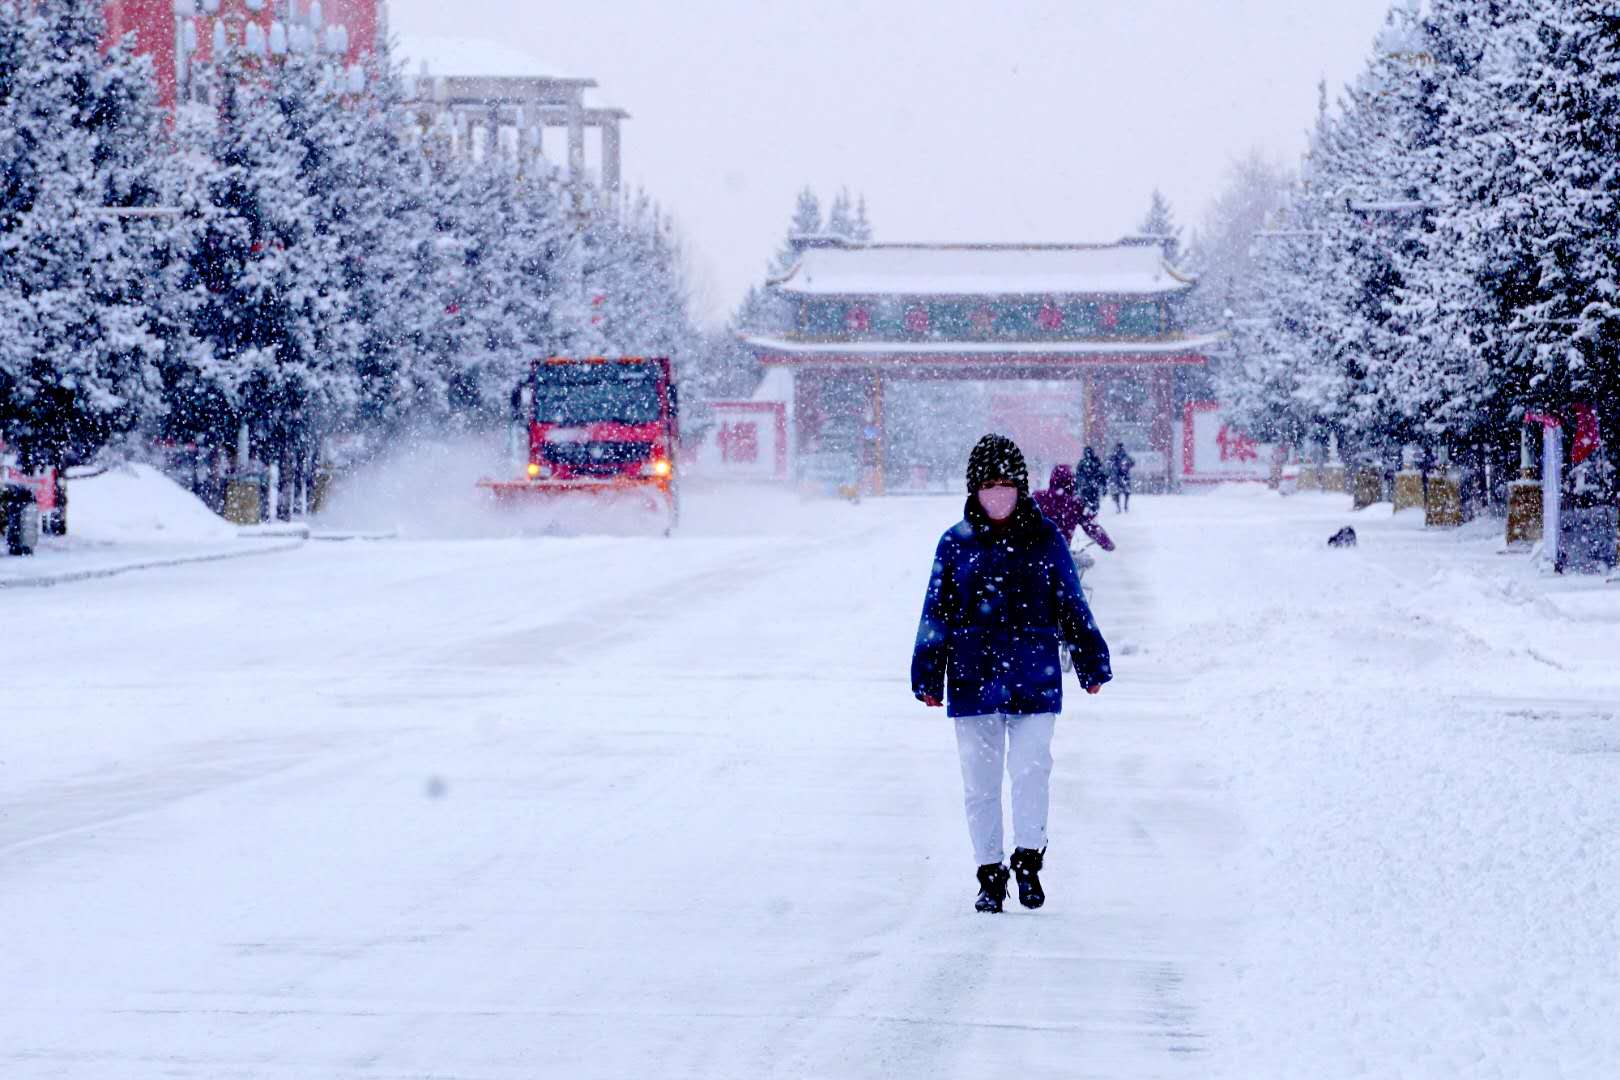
column 1568, row 321
column 806, row 222
column 1374, row 161
column 267, row 303
column 1263, row 365
column 1271, row 380
column 478, row 206
column 18, row 33
column 1445, row 365
column 309, row 91
column 18, row 168
column 861, row 227
column 451, row 266
column 1222, row 254
column 81, row 133
column 1161, row 221
column 764, row 309
column 1574, row 106
column 551, row 306
column 840, row 217
column 514, row 278
column 388, row 261
column 646, row 312
column 1518, row 313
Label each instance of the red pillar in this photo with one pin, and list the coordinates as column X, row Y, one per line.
column 1164, row 401
column 1096, row 410
column 880, row 445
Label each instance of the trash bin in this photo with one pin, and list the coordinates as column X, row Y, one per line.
column 21, row 519
column 242, row 500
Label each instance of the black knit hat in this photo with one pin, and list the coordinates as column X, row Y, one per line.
column 997, row 457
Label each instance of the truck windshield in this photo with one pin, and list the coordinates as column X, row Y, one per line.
column 566, row 394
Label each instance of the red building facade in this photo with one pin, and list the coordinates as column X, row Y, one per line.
column 177, row 34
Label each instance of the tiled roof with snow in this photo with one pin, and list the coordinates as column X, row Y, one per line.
column 983, row 270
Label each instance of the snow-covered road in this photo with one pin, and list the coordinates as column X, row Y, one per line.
column 630, row 807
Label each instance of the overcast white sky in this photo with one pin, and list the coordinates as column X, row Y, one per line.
column 959, row 119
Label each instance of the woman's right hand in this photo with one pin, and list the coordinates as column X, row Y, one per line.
column 931, row 701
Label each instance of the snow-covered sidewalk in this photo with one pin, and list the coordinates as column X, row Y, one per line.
column 132, row 518
column 1421, row 737
column 65, row 563
column 612, row 807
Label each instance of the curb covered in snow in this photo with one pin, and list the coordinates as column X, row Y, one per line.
column 277, row 531
column 69, row 576
column 339, row 536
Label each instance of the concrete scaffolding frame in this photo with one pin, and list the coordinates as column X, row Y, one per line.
column 462, row 106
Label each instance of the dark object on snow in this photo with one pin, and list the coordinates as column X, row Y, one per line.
column 1026, row 864
column 1065, row 510
column 19, row 519
column 996, row 457
column 1002, row 601
column 992, row 888
column 1345, row 537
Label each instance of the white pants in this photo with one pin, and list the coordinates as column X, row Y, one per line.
column 1023, row 746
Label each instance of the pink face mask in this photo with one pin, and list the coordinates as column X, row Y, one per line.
column 998, row 502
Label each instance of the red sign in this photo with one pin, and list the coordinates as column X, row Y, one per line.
column 1236, row 446
column 739, row 442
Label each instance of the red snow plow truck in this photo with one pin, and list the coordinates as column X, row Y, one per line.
column 597, row 431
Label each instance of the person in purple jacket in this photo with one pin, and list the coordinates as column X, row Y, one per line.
column 1064, row 508
column 1003, row 599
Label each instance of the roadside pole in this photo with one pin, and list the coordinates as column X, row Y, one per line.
column 1552, row 482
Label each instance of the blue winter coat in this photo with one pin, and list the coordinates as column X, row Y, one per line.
column 998, row 605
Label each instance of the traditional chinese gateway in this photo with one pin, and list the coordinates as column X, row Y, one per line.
column 1072, row 345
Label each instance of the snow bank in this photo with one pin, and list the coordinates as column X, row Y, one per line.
column 138, row 504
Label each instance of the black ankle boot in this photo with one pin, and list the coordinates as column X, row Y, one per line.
column 992, row 888
column 1026, row 865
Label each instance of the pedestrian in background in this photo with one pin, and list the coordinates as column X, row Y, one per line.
column 1002, row 600
column 1093, row 479
column 1119, row 468
column 1064, row 508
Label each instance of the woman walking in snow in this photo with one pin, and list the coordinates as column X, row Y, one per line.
column 1003, row 598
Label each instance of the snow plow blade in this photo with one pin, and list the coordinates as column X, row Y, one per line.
column 587, row 506
column 519, row 490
